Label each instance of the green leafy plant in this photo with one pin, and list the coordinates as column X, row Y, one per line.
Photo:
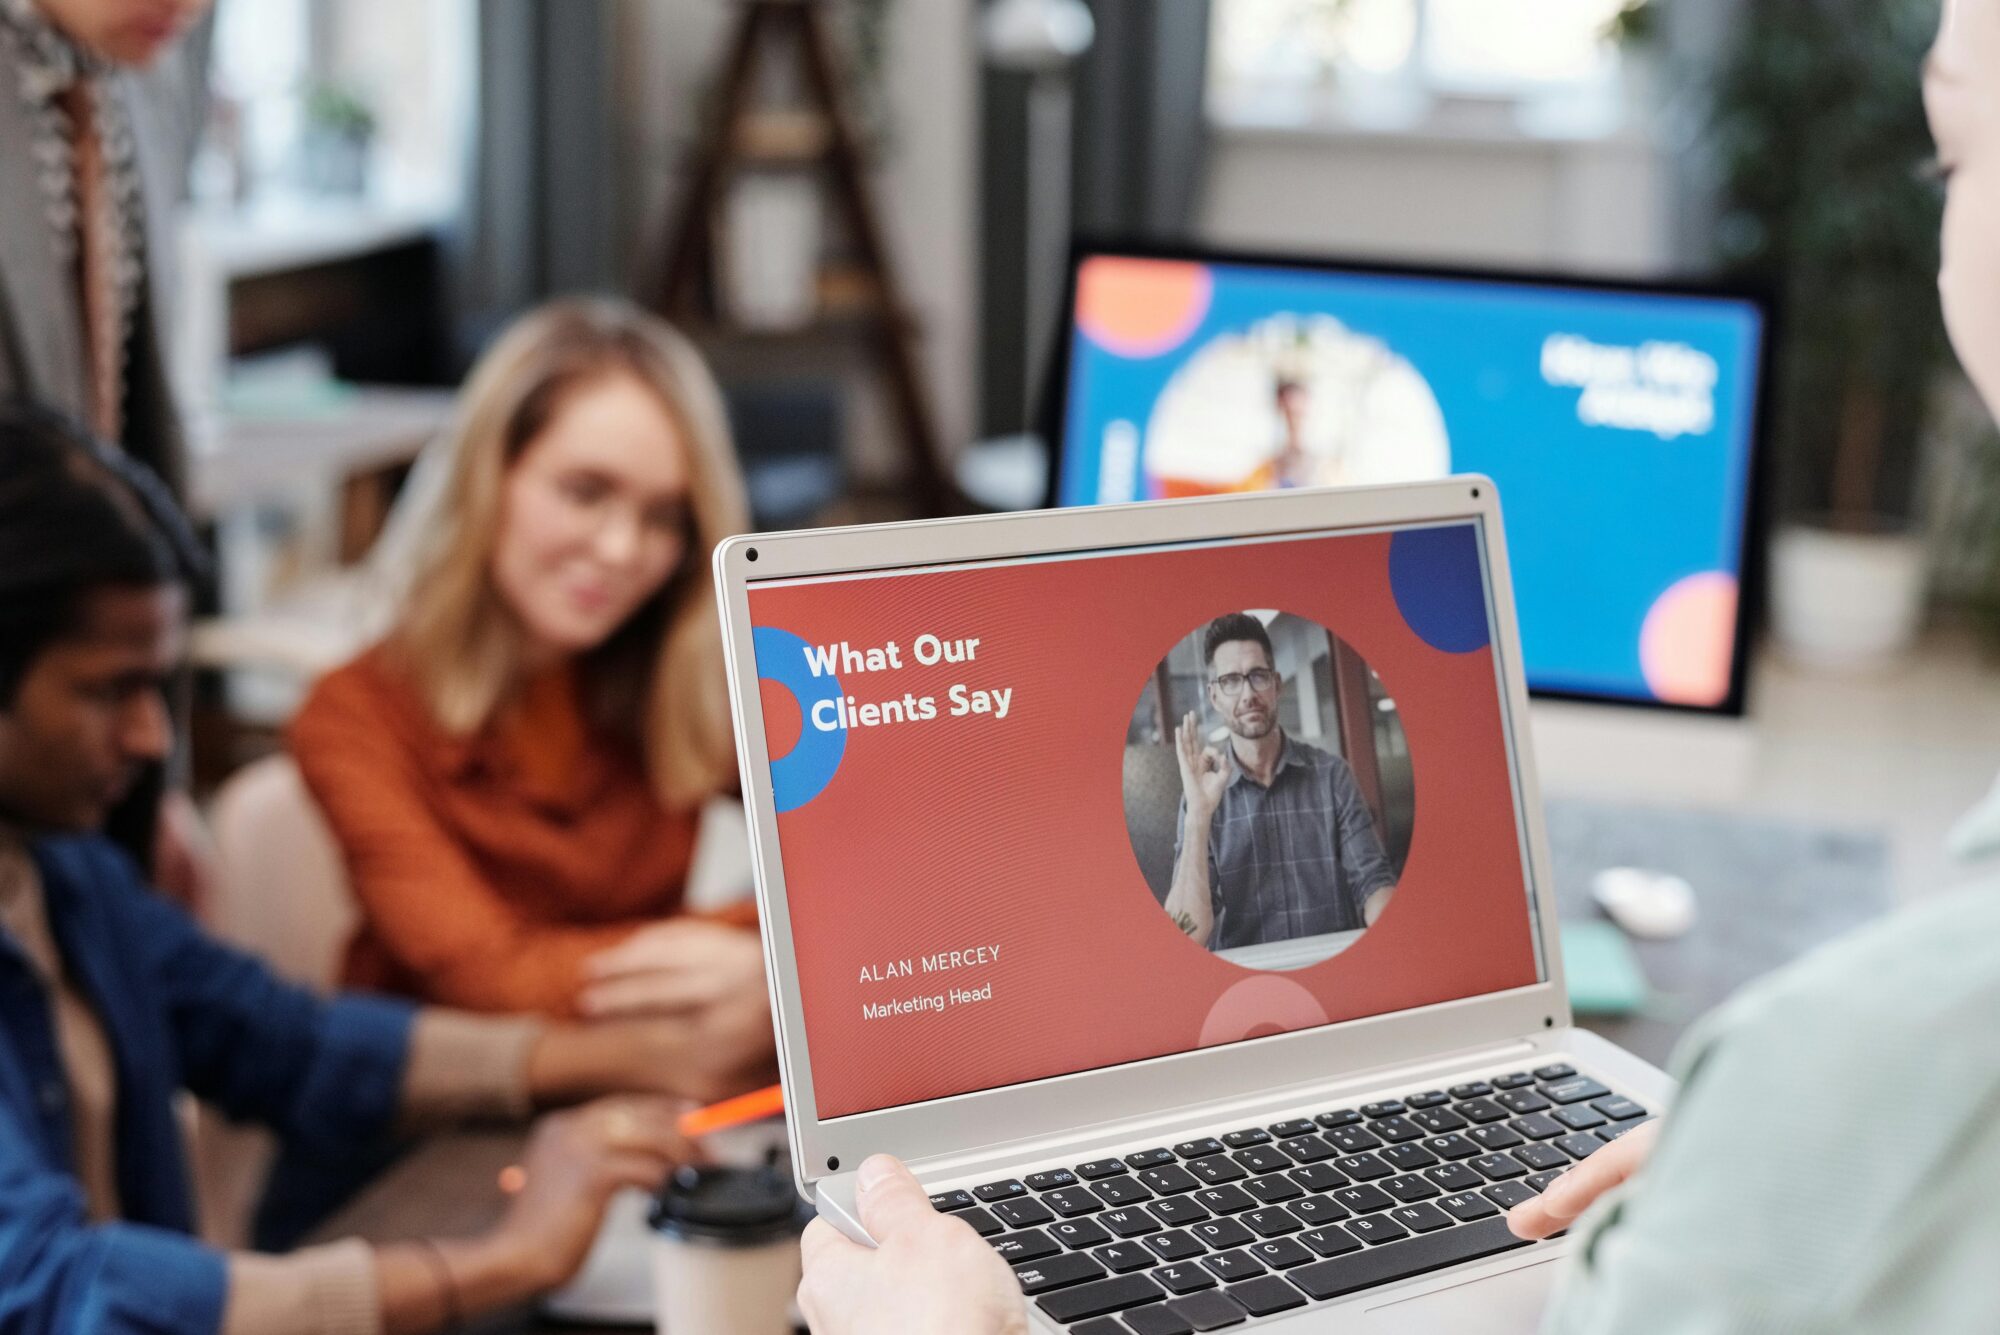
column 1819, row 137
column 1637, row 23
column 339, row 110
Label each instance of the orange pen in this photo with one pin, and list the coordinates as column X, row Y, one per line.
column 752, row 1107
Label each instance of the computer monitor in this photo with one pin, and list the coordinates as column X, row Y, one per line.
column 1620, row 420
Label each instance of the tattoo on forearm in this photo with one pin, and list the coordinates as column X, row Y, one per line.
column 1185, row 921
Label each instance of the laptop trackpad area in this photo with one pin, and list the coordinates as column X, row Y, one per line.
column 1510, row 1303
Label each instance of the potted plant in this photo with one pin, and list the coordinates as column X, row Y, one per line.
column 1819, row 136
column 339, row 132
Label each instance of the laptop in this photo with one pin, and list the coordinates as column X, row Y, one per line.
column 1166, row 885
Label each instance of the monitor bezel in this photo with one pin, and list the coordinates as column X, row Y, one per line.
column 1055, row 1104
column 1052, row 415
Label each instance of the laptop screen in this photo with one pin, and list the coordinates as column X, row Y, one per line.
column 1619, row 421
column 1048, row 815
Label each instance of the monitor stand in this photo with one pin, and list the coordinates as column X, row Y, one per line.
column 1642, row 755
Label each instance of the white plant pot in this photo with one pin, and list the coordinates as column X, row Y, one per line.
column 1850, row 602
column 772, row 239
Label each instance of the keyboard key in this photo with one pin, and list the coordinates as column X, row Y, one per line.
column 1423, row 1217
column 1451, row 1147
column 1298, row 1126
column 1579, row 1144
column 1410, row 1187
column 1272, row 1222
column 1466, row 1206
column 1579, row 1118
column 1618, row 1108
column 1617, row 1129
column 1155, row 1320
column 1217, row 1170
column 1540, row 1181
column 1129, row 1222
column 1314, row 1211
column 1174, row 1246
column 1338, row 1118
column 1397, row 1130
column 1031, row 1245
column 1120, row 1191
column 1049, row 1181
column 1057, row 1272
column 1521, row 1101
column 1169, row 1181
column 1022, row 1213
column 1149, row 1158
column 1418, row 1256
column 1363, row 1167
column 1499, row 1167
column 1261, row 1297
column 1225, row 1200
column 1352, row 1139
column 1244, row 1139
column 1363, row 1199
column 1000, row 1191
column 1100, row 1298
column 1183, row 1278
column 1102, row 1325
column 1481, row 1111
column 1494, row 1137
column 1208, row 1311
column 1261, row 1159
column 952, row 1200
column 1537, row 1126
column 983, row 1223
column 1233, row 1267
column 1577, row 1089
column 1407, row 1158
column 1513, row 1080
column 1437, row 1121
column 1331, row 1241
column 1222, row 1234
column 1196, row 1149
column 1559, row 1071
column 1176, row 1212
column 1069, row 1202
column 1376, row 1229
column 1471, row 1091
column 1273, row 1189
column 1318, row 1177
column 1281, row 1253
column 1540, row 1157
column 1456, row 1177
column 1430, row 1098
column 1386, row 1108
column 1077, row 1234
column 1507, row 1195
column 1124, row 1257
column 1098, row 1168
column 1307, row 1149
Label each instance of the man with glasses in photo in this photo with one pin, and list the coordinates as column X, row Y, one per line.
column 1291, row 845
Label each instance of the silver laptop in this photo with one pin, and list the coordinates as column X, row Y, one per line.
column 1166, row 884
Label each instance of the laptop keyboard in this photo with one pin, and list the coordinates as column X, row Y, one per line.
column 1262, row 1220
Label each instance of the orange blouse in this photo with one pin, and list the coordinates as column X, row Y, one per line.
column 488, row 867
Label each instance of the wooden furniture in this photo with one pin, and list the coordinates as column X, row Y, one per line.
column 861, row 301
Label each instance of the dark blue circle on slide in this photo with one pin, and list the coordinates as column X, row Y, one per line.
column 1434, row 573
column 802, row 773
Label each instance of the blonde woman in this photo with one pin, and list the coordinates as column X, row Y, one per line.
column 515, row 772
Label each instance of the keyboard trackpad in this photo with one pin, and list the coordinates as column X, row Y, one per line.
column 1506, row 1304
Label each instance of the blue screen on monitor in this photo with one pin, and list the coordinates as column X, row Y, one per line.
column 1619, row 425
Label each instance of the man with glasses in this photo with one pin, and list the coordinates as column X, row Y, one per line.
column 1291, row 845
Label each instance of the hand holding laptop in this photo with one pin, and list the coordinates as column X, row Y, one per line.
column 928, row 1272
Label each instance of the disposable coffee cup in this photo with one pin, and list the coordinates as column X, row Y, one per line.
column 726, row 1251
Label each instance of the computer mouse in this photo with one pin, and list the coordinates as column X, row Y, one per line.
column 1654, row 905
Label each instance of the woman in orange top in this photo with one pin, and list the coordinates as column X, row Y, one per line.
column 516, row 771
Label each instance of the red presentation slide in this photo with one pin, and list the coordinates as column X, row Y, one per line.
column 994, row 782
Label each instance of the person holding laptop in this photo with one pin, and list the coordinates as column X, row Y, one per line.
column 1274, row 840
column 1828, row 1166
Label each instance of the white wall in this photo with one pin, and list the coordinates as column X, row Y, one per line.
column 669, row 51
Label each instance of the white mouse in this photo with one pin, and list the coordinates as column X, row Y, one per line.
column 1655, row 905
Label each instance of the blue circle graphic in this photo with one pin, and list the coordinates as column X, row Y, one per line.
column 803, row 772
column 1434, row 573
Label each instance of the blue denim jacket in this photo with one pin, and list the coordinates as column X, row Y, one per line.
column 180, row 1012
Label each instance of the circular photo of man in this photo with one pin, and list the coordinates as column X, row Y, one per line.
column 1268, row 790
